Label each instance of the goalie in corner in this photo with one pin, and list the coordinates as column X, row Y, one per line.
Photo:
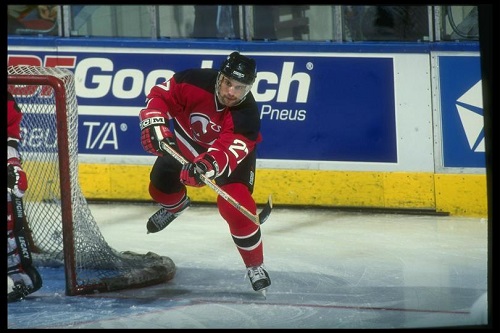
column 22, row 277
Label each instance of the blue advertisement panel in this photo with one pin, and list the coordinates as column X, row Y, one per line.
column 324, row 108
column 462, row 111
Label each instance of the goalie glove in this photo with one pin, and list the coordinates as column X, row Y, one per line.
column 203, row 165
column 154, row 129
column 17, row 181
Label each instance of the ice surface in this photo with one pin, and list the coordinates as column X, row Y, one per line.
column 329, row 269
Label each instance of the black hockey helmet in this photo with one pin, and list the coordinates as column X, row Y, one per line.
column 239, row 68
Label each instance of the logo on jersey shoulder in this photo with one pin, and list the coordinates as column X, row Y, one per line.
column 203, row 129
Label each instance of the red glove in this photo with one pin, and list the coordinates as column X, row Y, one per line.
column 16, row 177
column 154, row 129
column 203, row 165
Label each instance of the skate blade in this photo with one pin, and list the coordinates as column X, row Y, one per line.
column 263, row 292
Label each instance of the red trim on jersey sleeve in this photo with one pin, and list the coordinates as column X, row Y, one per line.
column 14, row 116
column 156, row 99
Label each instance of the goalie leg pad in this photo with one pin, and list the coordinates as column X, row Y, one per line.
column 22, row 277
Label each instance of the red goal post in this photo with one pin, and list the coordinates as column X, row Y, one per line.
column 61, row 228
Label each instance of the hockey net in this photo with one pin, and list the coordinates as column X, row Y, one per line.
column 62, row 231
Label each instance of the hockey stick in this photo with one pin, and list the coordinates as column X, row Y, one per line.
column 257, row 219
column 21, row 228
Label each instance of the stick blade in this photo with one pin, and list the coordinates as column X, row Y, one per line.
column 266, row 211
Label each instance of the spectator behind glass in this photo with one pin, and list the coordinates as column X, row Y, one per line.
column 36, row 17
column 263, row 22
column 224, row 22
column 216, row 22
column 396, row 23
column 47, row 12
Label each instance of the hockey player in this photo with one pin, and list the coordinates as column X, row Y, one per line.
column 22, row 277
column 216, row 126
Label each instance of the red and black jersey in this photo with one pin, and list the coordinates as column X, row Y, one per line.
column 201, row 124
column 14, row 117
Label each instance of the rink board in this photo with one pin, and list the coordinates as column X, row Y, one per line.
column 369, row 125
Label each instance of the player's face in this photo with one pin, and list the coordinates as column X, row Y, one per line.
column 231, row 91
